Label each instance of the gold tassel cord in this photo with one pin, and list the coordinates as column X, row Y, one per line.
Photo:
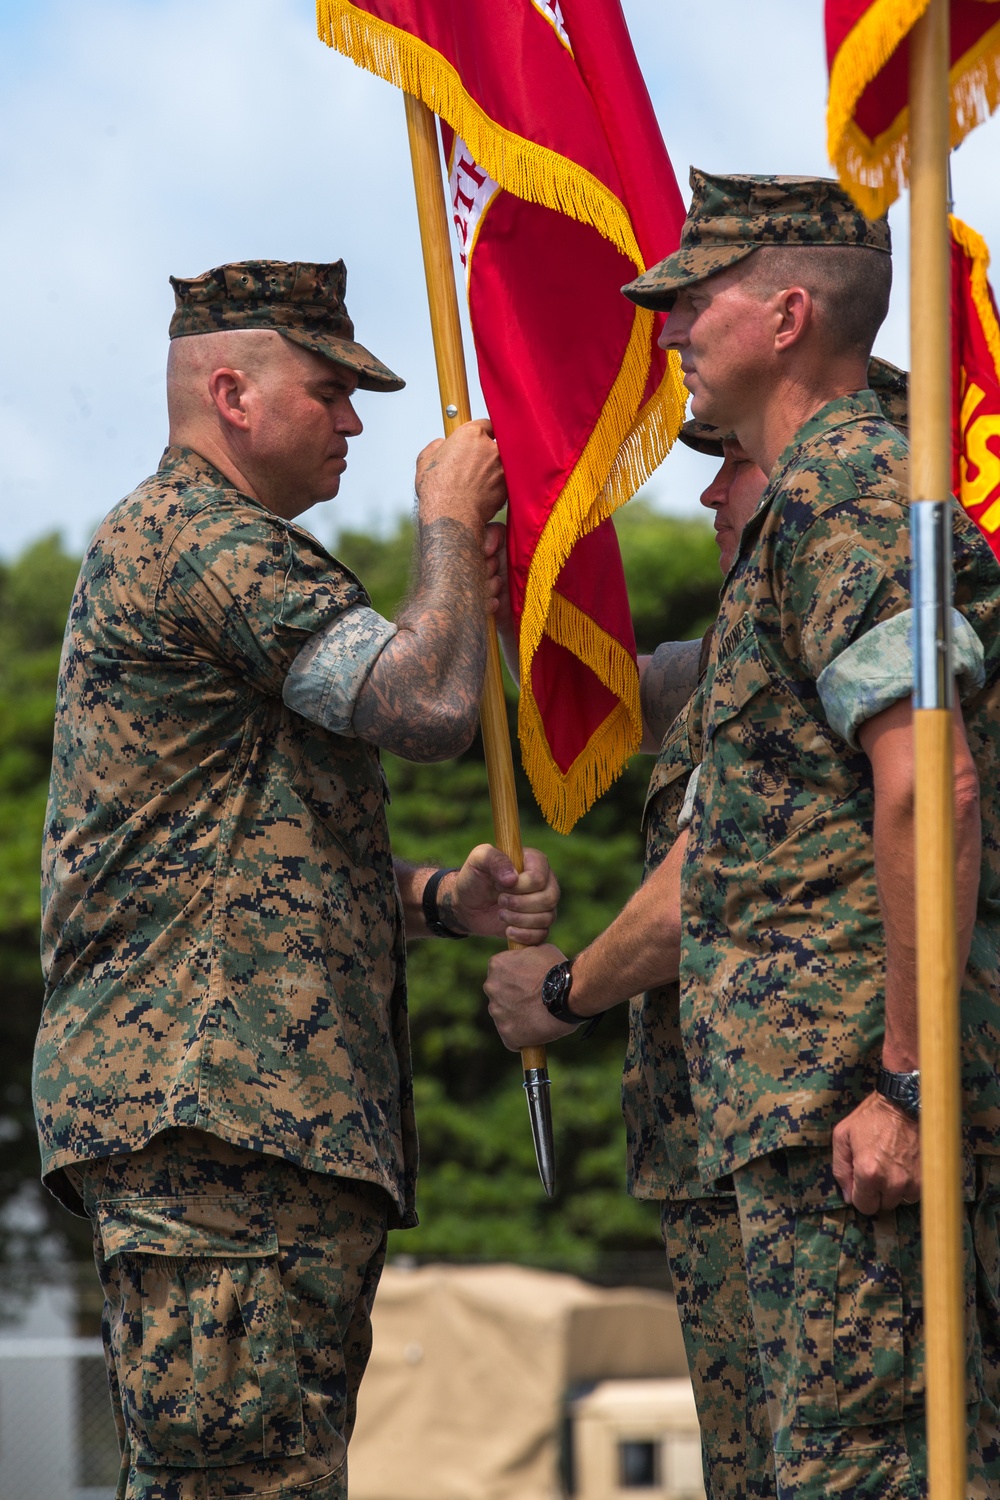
column 876, row 171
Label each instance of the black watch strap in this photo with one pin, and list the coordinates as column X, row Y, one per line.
column 901, row 1089
column 556, row 988
column 429, row 906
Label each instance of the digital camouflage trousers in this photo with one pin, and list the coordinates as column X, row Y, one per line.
column 838, row 1307
column 705, row 1254
column 796, row 1304
column 238, row 1292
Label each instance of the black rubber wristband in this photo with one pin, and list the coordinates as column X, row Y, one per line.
column 429, row 906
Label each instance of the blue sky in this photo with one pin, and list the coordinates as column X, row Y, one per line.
column 140, row 138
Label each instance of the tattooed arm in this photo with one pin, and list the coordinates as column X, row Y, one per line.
column 421, row 697
column 666, row 681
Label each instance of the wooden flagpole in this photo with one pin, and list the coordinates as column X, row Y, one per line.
column 937, row 977
column 453, row 386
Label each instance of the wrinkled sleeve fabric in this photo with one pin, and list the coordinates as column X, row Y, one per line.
column 246, row 590
column 329, row 672
column 850, row 572
column 876, row 670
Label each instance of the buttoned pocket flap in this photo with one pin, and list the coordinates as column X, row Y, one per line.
column 222, row 1228
column 200, row 1332
column 738, row 678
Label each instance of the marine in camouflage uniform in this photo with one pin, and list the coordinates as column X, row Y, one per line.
column 783, row 949
column 701, row 1229
column 700, row 1221
column 222, row 1076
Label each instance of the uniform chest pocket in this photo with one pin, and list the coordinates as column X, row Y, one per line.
column 342, row 783
column 775, row 769
column 673, row 763
column 737, row 680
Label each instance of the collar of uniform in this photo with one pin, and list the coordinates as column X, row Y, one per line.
column 185, row 464
column 859, row 407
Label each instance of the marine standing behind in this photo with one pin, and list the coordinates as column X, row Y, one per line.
column 796, row 935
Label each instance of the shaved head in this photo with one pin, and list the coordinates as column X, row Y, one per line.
column 849, row 285
column 259, row 353
column 766, row 342
column 273, row 417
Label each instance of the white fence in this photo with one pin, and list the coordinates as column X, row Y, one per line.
column 57, row 1435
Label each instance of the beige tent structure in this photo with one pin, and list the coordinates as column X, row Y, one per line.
column 473, row 1370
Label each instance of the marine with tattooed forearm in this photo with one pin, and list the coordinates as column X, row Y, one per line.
column 222, row 1076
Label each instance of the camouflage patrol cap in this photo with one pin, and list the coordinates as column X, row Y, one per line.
column 731, row 217
column 703, row 438
column 300, row 299
column 890, row 384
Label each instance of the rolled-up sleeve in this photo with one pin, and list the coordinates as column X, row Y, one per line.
column 876, row 670
column 329, row 672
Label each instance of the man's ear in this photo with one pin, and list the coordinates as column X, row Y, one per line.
column 227, row 388
column 796, row 310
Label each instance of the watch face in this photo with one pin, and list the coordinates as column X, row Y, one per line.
column 554, row 986
column 909, row 1092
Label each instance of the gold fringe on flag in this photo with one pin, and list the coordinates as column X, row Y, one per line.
column 523, row 167
column 602, row 759
column 875, row 171
column 621, row 453
column 977, row 250
column 627, row 442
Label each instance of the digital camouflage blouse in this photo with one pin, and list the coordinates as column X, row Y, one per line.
column 222, row 937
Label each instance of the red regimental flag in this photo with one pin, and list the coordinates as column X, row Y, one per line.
column 868, row 117
column 561, row 191
column 975, row 382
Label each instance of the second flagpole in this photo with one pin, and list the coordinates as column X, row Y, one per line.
column 937, row 948
column 455, row 409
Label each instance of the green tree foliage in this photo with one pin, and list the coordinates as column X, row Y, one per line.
column 479, row 1193
column 34, row 596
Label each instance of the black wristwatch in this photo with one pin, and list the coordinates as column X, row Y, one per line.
column 555, row 994
column 901, row 1089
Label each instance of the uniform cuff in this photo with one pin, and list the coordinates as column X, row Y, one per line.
column 876, row 671
column 329, row 672
column 687, row 806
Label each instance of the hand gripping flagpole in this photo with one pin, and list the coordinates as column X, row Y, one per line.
column 454, row 390
column 937, row 949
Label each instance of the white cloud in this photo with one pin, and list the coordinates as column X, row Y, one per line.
column 144, row 137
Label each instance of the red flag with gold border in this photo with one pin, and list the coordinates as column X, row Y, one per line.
column 975, row 382
column 868, row 115
column 561, row 191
